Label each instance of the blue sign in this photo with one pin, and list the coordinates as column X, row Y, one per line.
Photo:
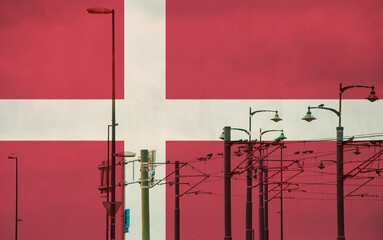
column 127, row 220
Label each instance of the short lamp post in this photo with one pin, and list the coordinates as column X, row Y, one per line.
column 266, row 183
column 122, row 156
column 107, row 180
column 13, row 156
column 226, row 136
column 249, row 200
column 372, row 97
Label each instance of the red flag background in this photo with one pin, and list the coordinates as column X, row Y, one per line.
column 58, row 195
column 271, row 49
column 57, row 50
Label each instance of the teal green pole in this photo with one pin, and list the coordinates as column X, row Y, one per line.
column 145, row 195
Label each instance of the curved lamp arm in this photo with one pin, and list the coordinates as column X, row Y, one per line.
column 241, row 129
column 258, row 111
column 264, row 132
column 321, row 106
column 342, row 89
column 281, row 137
column 309, row 117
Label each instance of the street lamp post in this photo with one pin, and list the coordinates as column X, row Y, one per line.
column 339, row 168
column 266, row 184
column 340, row 178
column 249, row 203
column 13, row 156
column 113, row 175
column 372, row 97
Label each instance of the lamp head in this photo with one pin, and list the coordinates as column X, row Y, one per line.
column 281, row 137
column 12, row 156
column 238, row 153
column 276, row 117
column 308, row 117
column 222, row 137
column 357, row 151
column 372, row 97
column 321, row 165
column 126, row 154
column 99, row 10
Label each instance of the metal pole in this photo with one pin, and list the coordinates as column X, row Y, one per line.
column 122, row 162
column 113, row 190
column 177, row 203
column 339, row 172
column 145, row 195
column 107, row 188
column 266, row 202
column 339, row 184
column 227, row 182
column 17, row 195
column 261, row 209
column 249, row 200
column 282, row 193
column 340, row 105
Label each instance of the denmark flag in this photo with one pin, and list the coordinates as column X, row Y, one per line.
column 182, row 75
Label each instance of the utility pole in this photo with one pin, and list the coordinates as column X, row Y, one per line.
column 125, row 213
column 107, row 185
column 266, row 200
column 145, row 195
column 266, row 184
column 122, row 163
column 17, row 195
column 249, row 189
column 261, row 209
column 13, row 156
column 283, row 146
column 249, row 200
column 339, row 181
column 227, row 181
column 177, row 230
column 339, row 169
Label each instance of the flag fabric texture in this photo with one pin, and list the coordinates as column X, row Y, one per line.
column 182, row 76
